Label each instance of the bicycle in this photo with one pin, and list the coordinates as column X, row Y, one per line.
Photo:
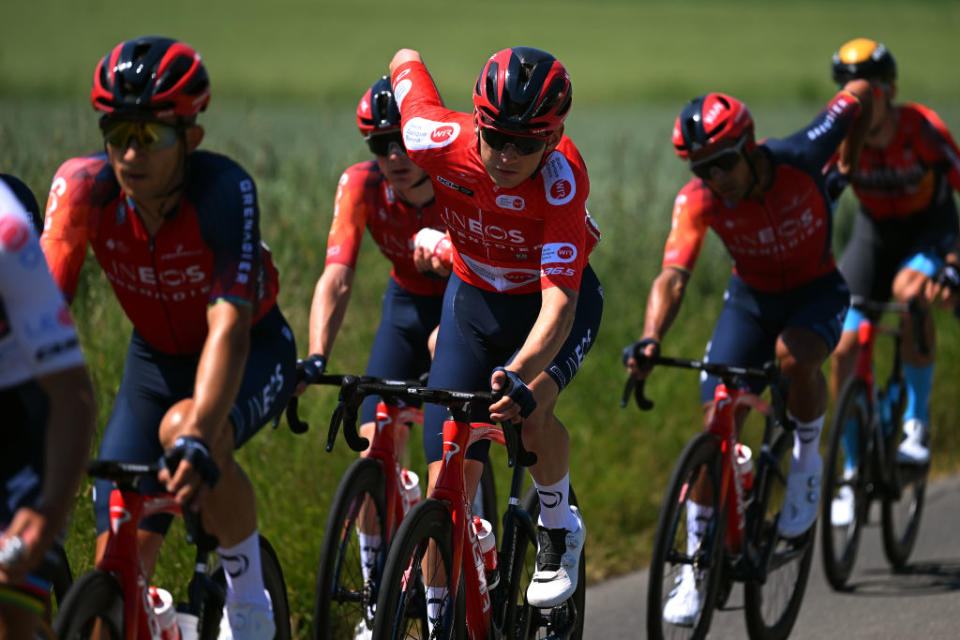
column 861, row 461
column 112, row 600
column 741, row 542
column 435, row 542
column 368, row 497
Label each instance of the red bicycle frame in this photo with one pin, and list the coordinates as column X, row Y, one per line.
column 451, row 490
column 122, row 556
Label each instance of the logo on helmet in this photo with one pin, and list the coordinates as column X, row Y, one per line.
column 711, row 115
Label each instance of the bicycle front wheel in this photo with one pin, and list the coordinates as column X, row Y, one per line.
column 93, row 607
column 772, row 602
column 685, row 569
column 844, row 483
column 900, row 515
column 345, row 598
column 422, row 552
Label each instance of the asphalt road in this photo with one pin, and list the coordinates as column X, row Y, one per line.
column 921, row 602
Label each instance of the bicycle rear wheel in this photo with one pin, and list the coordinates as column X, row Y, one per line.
column 345, row 601
column 275, row 585
column 900, row 516
column 842, row 524
column 674, row 566
column 771, row 605
column 523, row 621
column 423, row 545
column 92, row 607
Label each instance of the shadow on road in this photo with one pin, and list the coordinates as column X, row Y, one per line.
column 930, row 577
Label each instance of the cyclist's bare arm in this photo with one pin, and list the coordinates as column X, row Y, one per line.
column 849, row 152
column 663, row 304
column 70, row 428
column 329, row 307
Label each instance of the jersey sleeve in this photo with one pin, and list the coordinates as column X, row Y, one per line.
column 66, row 228
column 688, row 228
column 813, row 146
column 230, row 215
column 566, row 247
column 937, row 145
column 350, row 213
column 27, row 199
column 32, row 310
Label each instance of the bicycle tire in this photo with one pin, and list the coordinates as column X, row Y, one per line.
column 840, row 542
column 522, row 620
column 797, row 551
column 343, row 600
column 95, row 596
column 401, row 605
column 699, row 458
column 275, row 585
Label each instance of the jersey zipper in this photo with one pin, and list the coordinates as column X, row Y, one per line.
column 163, row 303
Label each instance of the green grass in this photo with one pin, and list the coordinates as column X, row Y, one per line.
column 286, row 77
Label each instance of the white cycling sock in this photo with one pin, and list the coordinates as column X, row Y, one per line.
column 369, row 550
column 806, row 443
column 241, row 565
column 436, row 597
column 555, row 505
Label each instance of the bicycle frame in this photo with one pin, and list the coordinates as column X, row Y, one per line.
column 122, row 556
column 458, row 435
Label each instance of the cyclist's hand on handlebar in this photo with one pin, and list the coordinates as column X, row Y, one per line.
column 24, row 543
column 189, row 471
column 637, row 357
column 517, row 401
column 945, row 286
column 308, row 370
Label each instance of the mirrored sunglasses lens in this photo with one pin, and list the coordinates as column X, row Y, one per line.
column 524, row 145
column 150, row 135
column 724, row 162
column 158, row 136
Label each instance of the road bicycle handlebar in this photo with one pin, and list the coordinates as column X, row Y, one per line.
column 918, row 314
column 732, row 376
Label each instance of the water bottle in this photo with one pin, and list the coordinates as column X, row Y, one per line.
column 162, row 603
column 488, row 547
column 436, row 242
column 744, row 466
column 410, row 488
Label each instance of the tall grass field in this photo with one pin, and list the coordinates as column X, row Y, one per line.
column 286, row 78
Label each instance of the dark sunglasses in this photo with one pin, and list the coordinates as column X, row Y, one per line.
column 498, row 141
column 380, row 143
column 725, row 162
column 150, row 136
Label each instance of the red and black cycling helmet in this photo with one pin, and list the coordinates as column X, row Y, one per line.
column 864, row 58
column 377, row 111
column 151, row 77
column 709, row 120
column 522, row 90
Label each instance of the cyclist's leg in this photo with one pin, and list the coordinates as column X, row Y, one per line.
column 230, row 512
column 816, row 313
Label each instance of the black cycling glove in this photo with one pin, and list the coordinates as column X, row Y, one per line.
column 636, row 351
column 519, row 392
column 195, row 451
column 311, row 368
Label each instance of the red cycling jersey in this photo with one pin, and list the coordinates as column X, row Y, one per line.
column 207, row 250
column 912, row 173
column 365, row 199
column 784, row 241
column 520, row 240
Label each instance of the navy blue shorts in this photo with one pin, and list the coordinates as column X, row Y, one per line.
column 400, row 348
column 481, row 330
column 154, row 381
column 747, row 329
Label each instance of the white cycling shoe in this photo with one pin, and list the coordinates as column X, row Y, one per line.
column 683, row 606
column 841, row 508
column 558, row 564
column 801, row 501
column 914, row 448
column 362, row 632
column 247, row 622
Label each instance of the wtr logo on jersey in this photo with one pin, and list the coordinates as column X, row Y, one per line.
column 558, row 180
column 420, row 133
column 515, row 203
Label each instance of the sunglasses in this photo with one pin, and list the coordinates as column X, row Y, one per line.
column 150, row 136
column 724, row 161
column 380, row 143
column 498, row 141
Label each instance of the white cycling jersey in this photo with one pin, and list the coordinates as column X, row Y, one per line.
column 37, row 335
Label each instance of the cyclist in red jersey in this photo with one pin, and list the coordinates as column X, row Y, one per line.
column 523, row 303
column 211, row 359
column 393, row 198
column 48, row 414
column 769, row 205
column 905, row 236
